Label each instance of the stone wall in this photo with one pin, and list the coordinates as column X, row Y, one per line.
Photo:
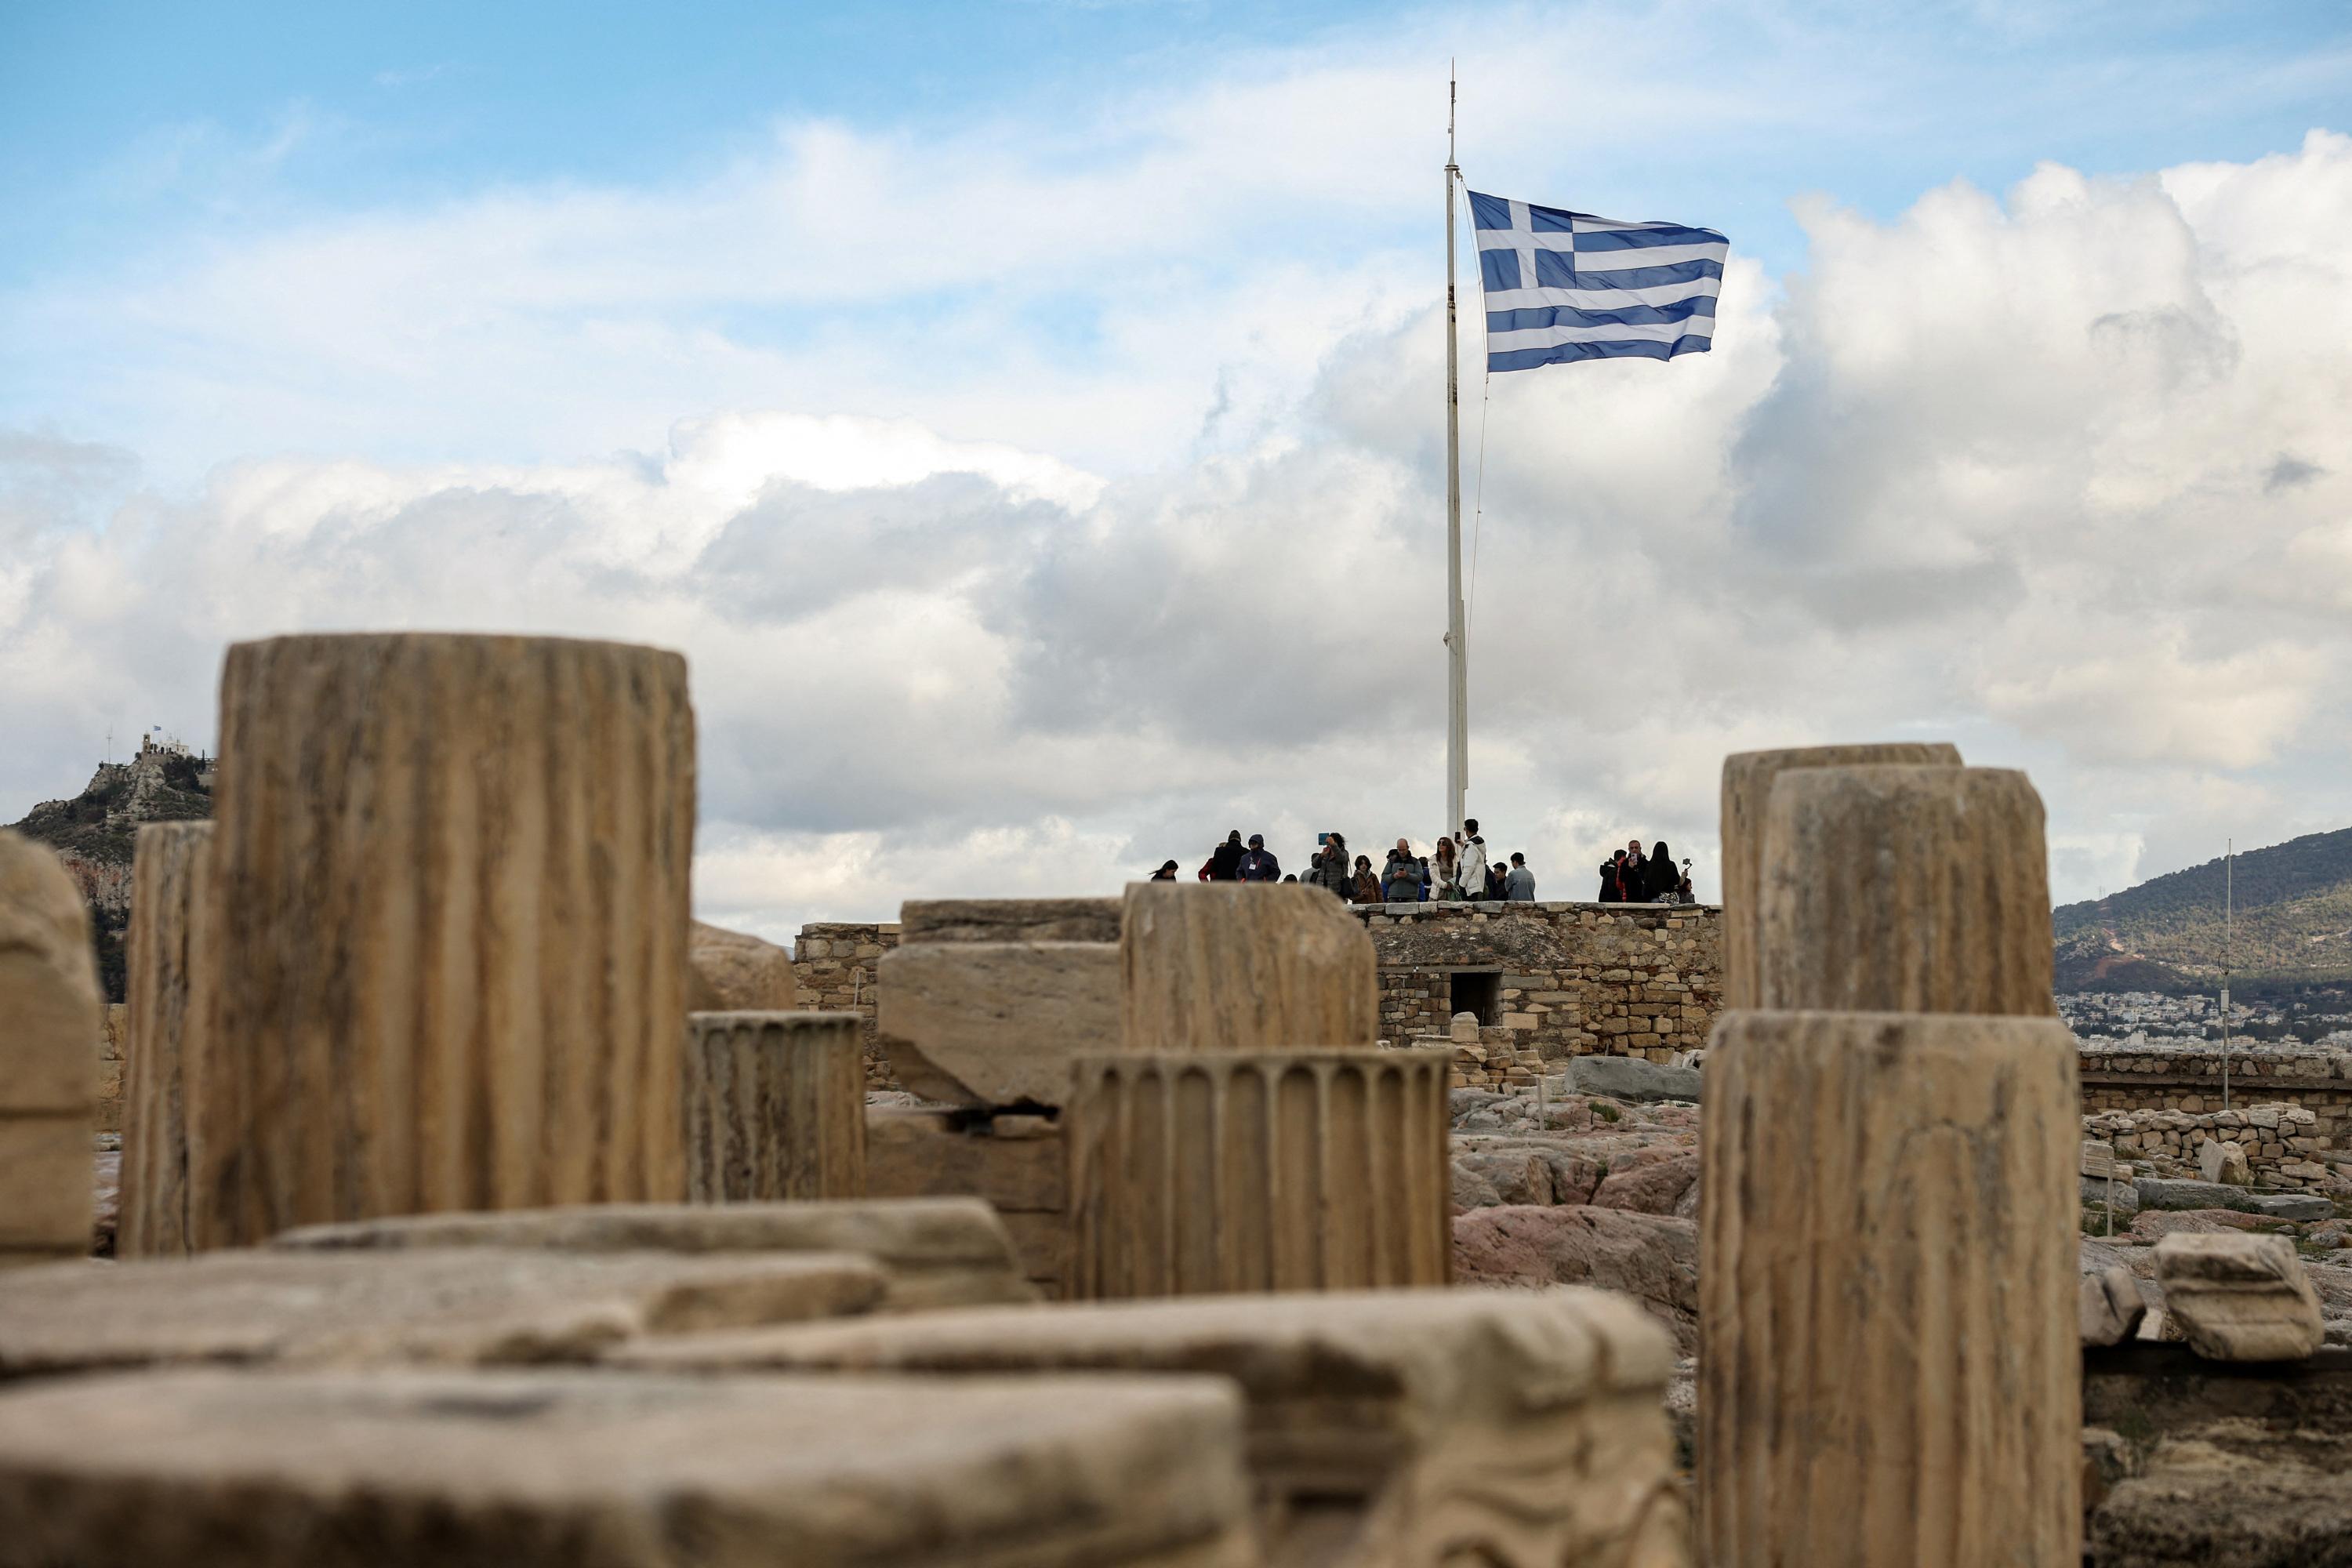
column 2283, row 1143
column 2317, row 1079
column 111, row 1042
column 1567, row 980
column 834, row 964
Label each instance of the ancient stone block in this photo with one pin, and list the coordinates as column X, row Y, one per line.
column 938, row 1251
column 1524, row 1429
column 571, row 1470
column 1889, row 1366
column 1009, row 920
column 170, row 873
column 1240, row 966
column 1903, row 889
column 49, row 1026
column 2109, row 1306
column 1748, row 778
column 776, row 1106
column 449, row 908
column 995, row 1023
column 732, row 971
column 1205, row 1171
column 2235, row 1297
column 471, row 1306
column 1014, row 1163
column 2224, row 1161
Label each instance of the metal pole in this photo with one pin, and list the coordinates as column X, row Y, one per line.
column 1457, row 662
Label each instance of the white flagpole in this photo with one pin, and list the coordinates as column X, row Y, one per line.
column 1457, row 692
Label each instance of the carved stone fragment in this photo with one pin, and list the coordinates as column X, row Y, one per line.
column 1408, row 1429
column 1748, row 778
column 1244, row 966
column 776, row 1106
column 995, row 1023
column 571, row 1470
column 939, row 1252
column 448, row 920
column 2235, row 1297
column 1196, row 1173
column 1008, row 919
column 169, row 877
column 468, row 1306
column 1904, row 890
column 1889, row 1368
column 49, row 1024
column 2111, row 1307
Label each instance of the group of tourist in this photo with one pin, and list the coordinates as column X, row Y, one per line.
column 1457, row 870
column 1629, row 877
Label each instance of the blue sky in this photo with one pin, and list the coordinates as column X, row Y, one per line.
column 1009, row 407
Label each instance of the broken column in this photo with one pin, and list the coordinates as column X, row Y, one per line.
column 1748, row 779
column 170, row 875
column 1244, row 966
column 2238, row 1298
column 49, row 1023
column 1903, row 889
column 1194, row 1172
column 1888, row 1301
column 776, row 1106
column 448, row 911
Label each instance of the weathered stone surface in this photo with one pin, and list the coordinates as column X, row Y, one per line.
column 938, row 1251
column 995, row 1023
column 449, row 908
column 2301, row 1207
column 1656, row 1186
column 732, row 971
column 1488, row 1179
column 569, row 1470
column 1631, row 1078
column 2099, row 1159
column 171, row 875
column 2229, row 1498
column 2221, row 1160
column 1014, row 1163
column 1748, row 780
column 2165, row 1192
column 1196, row 1173
column 1653, row 1258
column 1244, row 966
column 1891, row 1364
column 1009, row 920
column 1903, row 889
column 474, row 1305
column 1389, row 1428
column 776, row 1106
column 2237, row 1298
column 49, row 1025
column 2110, row 1307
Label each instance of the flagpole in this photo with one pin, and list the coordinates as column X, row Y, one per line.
column 1457, row 652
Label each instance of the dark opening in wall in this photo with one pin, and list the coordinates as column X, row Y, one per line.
column 1478, row 990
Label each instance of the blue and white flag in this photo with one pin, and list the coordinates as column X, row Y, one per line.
column 1561, row 285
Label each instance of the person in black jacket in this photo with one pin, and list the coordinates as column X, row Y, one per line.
column 1612, row 879
column 1661, row 876
column 1224, row 864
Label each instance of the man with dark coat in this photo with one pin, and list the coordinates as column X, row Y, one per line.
column 1256, row 864
column 1225, row 865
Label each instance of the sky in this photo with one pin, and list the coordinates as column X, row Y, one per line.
column 1028, row 418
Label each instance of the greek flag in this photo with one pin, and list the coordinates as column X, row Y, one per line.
column 1568, row 286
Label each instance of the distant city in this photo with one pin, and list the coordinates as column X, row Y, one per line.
column 2124, row 1018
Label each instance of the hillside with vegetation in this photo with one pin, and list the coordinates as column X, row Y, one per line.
column 96, row 833
column 2292, row 927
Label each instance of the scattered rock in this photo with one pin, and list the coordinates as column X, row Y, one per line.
column 1633, row 1079
column 1491, row 1179
column 2238, row 1298
column 2111, row 1307
column 1649, row 1186
column 2153, row 1224
column 1652, row 1257
column 735, row 973
column 2223, row 1160
column 2167, row 1193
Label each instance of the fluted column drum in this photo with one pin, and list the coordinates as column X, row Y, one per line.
column 1748, row 778
column 1243, row 966
column 776, row 1106
column 1196, row 1173
column 1887, row 1295
column 1904, row 890
column 450, row 923
column 169, row 877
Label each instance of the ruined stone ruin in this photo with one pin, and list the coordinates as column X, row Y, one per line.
column 477, row 1206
